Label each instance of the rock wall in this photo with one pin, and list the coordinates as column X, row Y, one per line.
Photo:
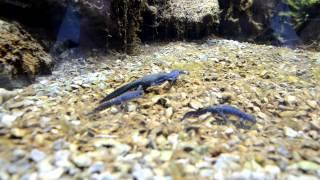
column 21, row 56
column 180, row 19
column 279, row 22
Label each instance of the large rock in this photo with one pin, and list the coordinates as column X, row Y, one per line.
column 288, row 23
column 21, row 56
column 246, row 20
column 180, row 19
column 87, row 24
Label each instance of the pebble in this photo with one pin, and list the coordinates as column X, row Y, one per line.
column 97, row 167
column 32, row 176
column 4, row 176
column 229, row 131
column 315, row 124
column 132, row 107
column 18, row 154
column 19, row 167
column 301, row 177
column 206, row 173
column 312, row 104
column 45, row 165
column 195, row 104
column 8, row 120
column 82, row 160
column 140, row 173
column 5, row 94
column 282, row 150
column 60, row 144
column 18, row 133
column 61, row 159
column 291, row 99
column 247, row 174
column 53, row 174
column 166, row 155
column 203, row 57
column 37, row 155
column 274, row 171
column 104, row 176
column 308, row 166
column 169, row 112
column 290, row 132
column 226, row 161
column 114, row 110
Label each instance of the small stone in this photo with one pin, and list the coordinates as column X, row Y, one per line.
column 226, row 161
column 301, row 177
column 82, row 160
column 104, row 176
column 44, row 122
column 5, row 94
column 131, row 107
column 122, row 148
column 7, row 119
column 18, row 133
column 32, row 176
column 314, row 134
column 291, row 99
column 142, row 173
column 53, row 174
column 37, row 155
column 4, row 176
column 290, row 132
column 282, row 150
column 169, row 112
column 39, row 139
column 206, row 173
column 97, row 167
column 19, row 167
column 114, row 110
column 203, row 57
column 60, row 144
column 287, row 114
column 272, row 170
column 61, row 159
column 315, row 124
column 252, row 165
column 308, row 166
column 18, row 154
column 190, row 169
column 229, row 131
column 166, row 155
column 20, row 104
column 312, row 104
column 195, row 104
column 45, row 165
column 248, row 174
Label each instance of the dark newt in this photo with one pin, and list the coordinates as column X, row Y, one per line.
column 221, row 110
column 145, row 82
column 127, row 96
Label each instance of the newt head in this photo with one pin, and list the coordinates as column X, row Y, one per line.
column 178, row 72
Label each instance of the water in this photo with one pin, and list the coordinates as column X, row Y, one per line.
column 276, row 80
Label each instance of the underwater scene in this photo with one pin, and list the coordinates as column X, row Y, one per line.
column 160, row 89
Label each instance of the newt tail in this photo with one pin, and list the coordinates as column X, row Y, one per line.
column 130, row 95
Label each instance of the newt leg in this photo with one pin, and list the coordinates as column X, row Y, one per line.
column 243, row 125
column 224, row 117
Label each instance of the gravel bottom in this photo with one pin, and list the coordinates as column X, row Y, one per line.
column 45, row 134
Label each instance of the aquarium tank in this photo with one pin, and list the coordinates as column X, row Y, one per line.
column 160, row 89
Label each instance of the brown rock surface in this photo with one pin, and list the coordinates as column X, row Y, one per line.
column 21, row 57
